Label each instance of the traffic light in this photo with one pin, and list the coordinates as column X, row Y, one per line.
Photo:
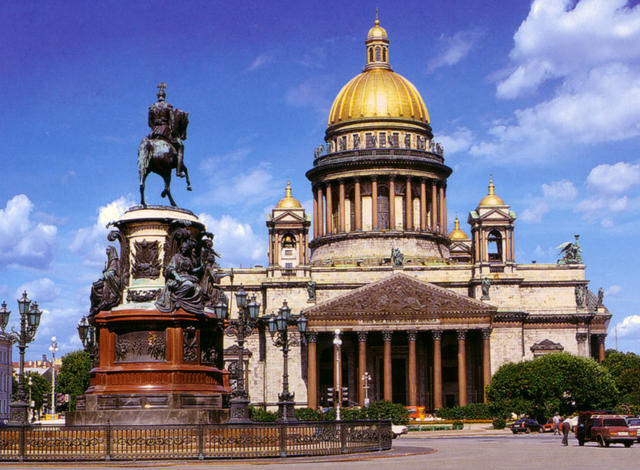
column 46, row 401
column 345, row 395
column 60, row 399
column 330, row 395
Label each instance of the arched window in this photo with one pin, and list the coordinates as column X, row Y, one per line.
column 371, row 54
column 384, row 54
column 383, row 207
column 288, row 241
column 494, row 248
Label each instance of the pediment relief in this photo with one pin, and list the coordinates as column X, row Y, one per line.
column 288, row 216
column 547, row 345
column 399, row 297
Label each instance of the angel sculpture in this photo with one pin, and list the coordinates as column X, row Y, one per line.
column 571, row 252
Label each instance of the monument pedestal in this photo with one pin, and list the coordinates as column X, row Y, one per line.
column 156, row 367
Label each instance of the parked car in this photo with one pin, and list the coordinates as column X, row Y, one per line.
column 526, row 425
column 634, row 423
column 548, row 426
column 397, row 430
column 604, row 429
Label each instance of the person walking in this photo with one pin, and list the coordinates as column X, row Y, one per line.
column 556, row 424
column 566, row 427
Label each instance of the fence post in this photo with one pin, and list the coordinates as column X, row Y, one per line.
column 23, row 441
column 343, row 437
column 283, row 439
column 201, row 441
column 108, row 439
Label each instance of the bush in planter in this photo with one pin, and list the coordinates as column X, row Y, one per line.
column 307, row 414
column 499, row 422
column 457, row 424
column 260, row 415
column 385, row 409
column 470, row 411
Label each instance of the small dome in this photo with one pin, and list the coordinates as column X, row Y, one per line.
column 288, row 201
column 456, row 233
column 377, row 32
column 491, row 199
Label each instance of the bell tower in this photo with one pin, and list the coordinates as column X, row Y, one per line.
column 288, row 233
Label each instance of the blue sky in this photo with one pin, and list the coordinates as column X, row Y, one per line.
column 544, row 95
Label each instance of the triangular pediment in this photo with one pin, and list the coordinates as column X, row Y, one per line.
column 288, row 216
column 399, row 297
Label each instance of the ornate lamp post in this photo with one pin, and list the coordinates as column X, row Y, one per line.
column 240, row 327
column 279, row 329
column 54, row 349
column 87, row 333
column 29, row 321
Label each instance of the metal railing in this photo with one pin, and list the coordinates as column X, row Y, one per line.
column 201, row 441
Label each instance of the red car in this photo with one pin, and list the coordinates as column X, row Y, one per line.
column 604, row 429
column 548, row 426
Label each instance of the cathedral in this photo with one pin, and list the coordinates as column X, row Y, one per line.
column 398, row 307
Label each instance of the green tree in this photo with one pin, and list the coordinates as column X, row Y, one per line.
column 625, row 369
column 40, row 387
column 73, row 378
column 556, row 382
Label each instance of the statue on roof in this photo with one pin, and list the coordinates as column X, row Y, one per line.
column 163, row 149
column 571, row 252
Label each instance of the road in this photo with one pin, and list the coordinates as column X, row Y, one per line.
column 421, row 451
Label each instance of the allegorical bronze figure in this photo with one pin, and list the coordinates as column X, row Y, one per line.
column 162, row 150
column 106, row 291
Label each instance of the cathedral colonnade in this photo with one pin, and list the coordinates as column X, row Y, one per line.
column 430, row 368
column 347, row 205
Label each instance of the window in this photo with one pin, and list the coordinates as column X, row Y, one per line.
column 383, row 207
column 371, row 54
column 371, row 140
column 383, row 139
column 384, row 54
column 378, row 54
column 494, row 242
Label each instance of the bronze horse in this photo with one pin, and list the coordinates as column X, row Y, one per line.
column 160, row 156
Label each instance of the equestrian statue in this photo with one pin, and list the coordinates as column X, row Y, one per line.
column 162, row 150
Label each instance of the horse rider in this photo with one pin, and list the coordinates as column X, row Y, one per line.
column 161, row 116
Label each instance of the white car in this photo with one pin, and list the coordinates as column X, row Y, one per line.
column 397, row 430
column 634, row 423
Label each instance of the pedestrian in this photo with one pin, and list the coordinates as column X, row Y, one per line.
column 566, row 427
column 556, row 424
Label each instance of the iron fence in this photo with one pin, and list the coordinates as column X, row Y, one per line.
column 201, row 441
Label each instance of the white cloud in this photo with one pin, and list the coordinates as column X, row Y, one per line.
column 535, row 212
column 90, row 242
column 629, row 327
column 24, row 242
column 612, row 290
column 453, row 48
column 217, row 162
column 562, row 190
column 260, row 61
column 313, row 92
column 235, row 241
column 40, row 290
column 458, row 141
column 614, row 178
column 257, row 185
column 555, row 195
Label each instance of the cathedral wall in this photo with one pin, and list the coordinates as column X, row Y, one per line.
column 506, row 346
column 566, row 337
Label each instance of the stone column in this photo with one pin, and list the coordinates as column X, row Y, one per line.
column 601, row 354
column 413, row 373
column 337, row 372
column 315, row 214
column 312, row 370
column 434, row 206
column 392, row 203
column 388, row 391
column 513, row 248
column 374, row 203
column 486, row 360
column 462, row 368
column 581, row 338
column 423, row 205
column 358, row 203
column 445, row 227
column 437, row 369
column 442, row 222
column 362, row 364
column 320, row 211
column 409, row 205
column 341, row 223
column 330, row 228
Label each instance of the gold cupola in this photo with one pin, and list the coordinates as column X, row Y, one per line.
column 288, row 201
column 378, row 94
column 457, row 233
column 491, row 199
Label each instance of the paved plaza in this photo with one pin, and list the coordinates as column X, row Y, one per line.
column 475, row 451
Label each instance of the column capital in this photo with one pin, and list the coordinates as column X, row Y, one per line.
column 392, row 177
column 601, row 338
column 373, row 177
column 412, row 335
column 461, row 334
column 362, row 336
column 386, row 336
column 312, row 336
column 581, row 337
column 437, row 335
column 486, row 333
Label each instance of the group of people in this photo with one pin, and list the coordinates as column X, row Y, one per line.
column 563, row 425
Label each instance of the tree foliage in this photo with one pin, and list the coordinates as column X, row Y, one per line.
column 73, row 378
column 552, row 383
column 625, row 369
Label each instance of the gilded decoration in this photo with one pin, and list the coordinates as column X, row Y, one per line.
column 398, row 297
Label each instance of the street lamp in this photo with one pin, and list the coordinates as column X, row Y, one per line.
column 240, row 327
column 87, row 333
column 337, row 342
column 29, row 320
column 31, row 410
column 279, row 329
column 54, row 349
column 366, row 380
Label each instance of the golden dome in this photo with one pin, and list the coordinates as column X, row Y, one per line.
column 378, row 93
column 491, row 199
column 288, row 201
column 456, row 233
column 377, row 32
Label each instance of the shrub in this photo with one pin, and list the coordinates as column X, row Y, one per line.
column 307, row 414
column 471, row 411
column 328, row 415
column 385, row 409
column 353, row 414
column 499, row 422
column 457, row 424
column 260, row 415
